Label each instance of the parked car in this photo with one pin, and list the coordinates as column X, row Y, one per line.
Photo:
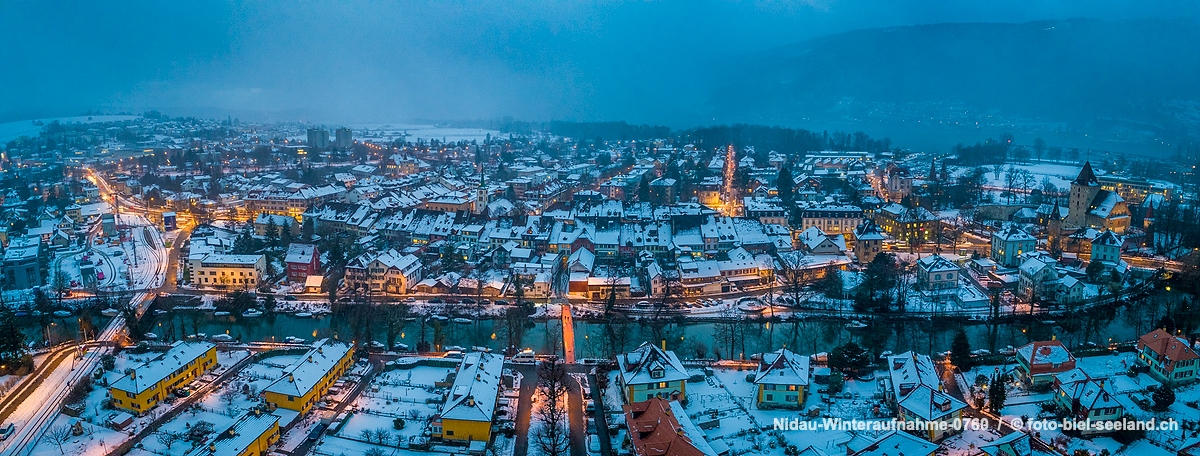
column 593, row 444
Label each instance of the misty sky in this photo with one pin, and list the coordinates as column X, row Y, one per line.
column 391, row 61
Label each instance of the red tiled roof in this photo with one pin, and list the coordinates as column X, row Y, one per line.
column 1163, row 343
column 654, row 430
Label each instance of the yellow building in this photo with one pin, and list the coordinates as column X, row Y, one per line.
column 250, row 435
column 648, row 372
column 782, row 380
column 222, row 270
column 146, row 385
column 307, row 380
column 471, row 401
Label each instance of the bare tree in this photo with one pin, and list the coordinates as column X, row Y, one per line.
column 1011, row 179
column 167, row 439
column 59, row 436
column 382, row 435
column 229, row 396
column 552, row 436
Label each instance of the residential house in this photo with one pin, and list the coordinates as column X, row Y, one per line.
column 1009, row 243
column 1170, row 359
column 935, row 273
column 305, row 381
column 1039, row 362
column 660, row 427
column 782, row 380
column 302, row 260
column 915, row 389
column 1088, row 400
column 145, row 386
column 251, row 435
column 648, row 372
column 471, row 400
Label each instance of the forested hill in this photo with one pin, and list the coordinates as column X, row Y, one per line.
column 1135, row 74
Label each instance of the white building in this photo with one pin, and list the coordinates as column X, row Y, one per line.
column 1009, row 243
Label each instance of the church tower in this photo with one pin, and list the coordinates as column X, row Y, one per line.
column 1083, row 191
column 481, row 195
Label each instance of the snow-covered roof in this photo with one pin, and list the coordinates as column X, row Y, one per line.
column 1104, row 203
column 1013, row 444
column 303, row 375
column 1045, row 352
column 238, row 437
column 782, row 367
column 930, row 404
column 147, row 375
column 637, row 367
column 897, row 443
column 476, row 387
column 909, row 370
column 936, row 263
column 1012, row 233
column 300, row 253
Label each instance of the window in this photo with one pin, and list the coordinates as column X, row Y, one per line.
column 769, row 397
column 662, row 385
column 449, row 432
column 657, row 373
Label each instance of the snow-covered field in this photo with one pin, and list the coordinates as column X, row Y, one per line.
column 13, row 130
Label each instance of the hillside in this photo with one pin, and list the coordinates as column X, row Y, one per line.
column 1133, row 80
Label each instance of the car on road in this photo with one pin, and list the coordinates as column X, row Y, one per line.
column 290, row 298
column 468, row 301
column 436, row 301
column 526, row 356
column 7, row 431
column 501, row 302
column 643, row 304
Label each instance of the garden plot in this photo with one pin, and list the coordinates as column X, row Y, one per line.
column 409, row 393
column 730, row 399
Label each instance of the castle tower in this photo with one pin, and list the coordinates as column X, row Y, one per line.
column 1083, row 191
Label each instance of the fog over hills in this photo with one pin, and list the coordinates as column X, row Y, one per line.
column 1134, row 80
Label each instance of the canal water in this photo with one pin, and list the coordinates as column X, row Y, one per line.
column 1099, row 326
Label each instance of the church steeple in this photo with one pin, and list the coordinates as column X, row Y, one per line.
column 1086, row 176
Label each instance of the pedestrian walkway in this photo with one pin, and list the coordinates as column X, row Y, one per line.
column 568, row 325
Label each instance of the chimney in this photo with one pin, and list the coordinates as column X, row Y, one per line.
column 291, row 378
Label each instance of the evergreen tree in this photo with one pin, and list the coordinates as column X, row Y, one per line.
column 1163, row 397
column 997, row 393
column 960, row 350
column 307, row 230
column 785, row 184
column 12, row 339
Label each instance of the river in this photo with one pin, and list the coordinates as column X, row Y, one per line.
column 700, row 339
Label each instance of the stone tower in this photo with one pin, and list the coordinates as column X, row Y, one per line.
column 1083, row 191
